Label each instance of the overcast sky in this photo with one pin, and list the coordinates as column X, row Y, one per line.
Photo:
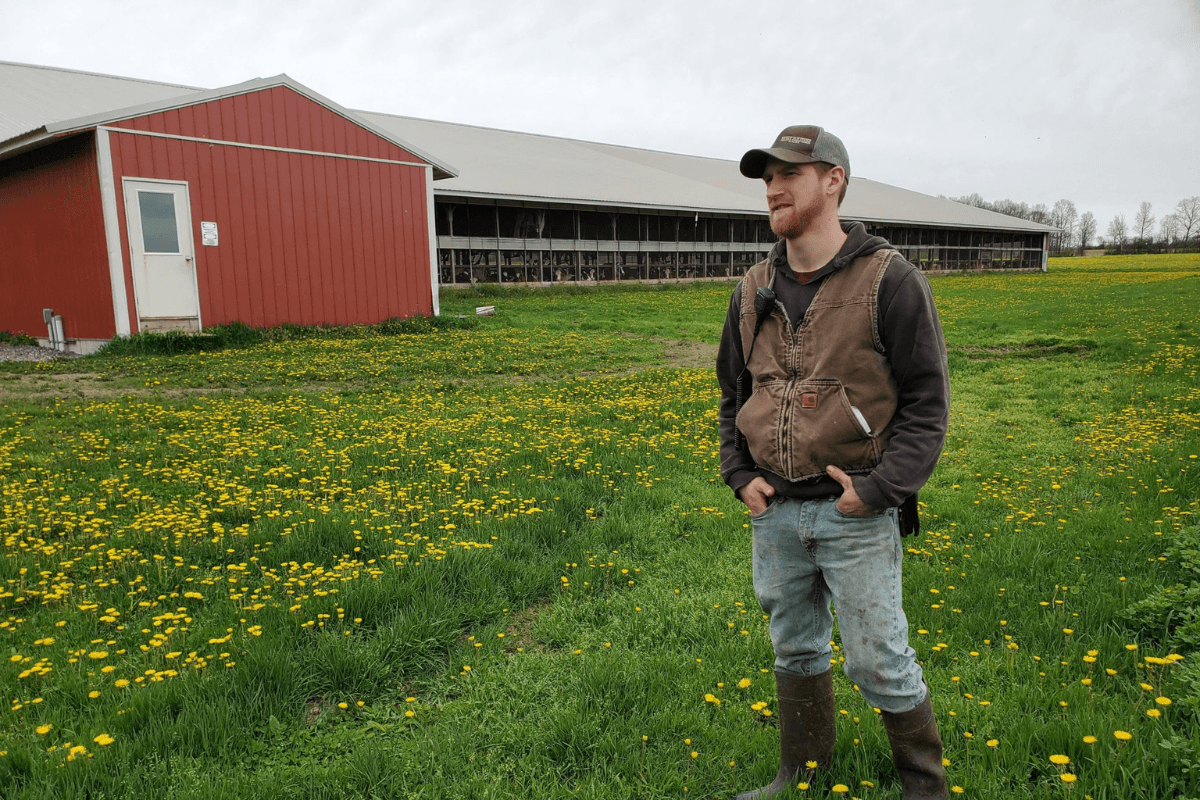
column 1033, row 100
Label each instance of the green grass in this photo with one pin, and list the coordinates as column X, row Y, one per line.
column 262, row 532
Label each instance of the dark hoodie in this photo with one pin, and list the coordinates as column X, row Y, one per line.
column 912, row 341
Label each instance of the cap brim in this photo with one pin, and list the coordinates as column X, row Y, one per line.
column 754, row 163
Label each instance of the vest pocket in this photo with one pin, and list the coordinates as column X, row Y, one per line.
column 760, row 421
column 819, row 428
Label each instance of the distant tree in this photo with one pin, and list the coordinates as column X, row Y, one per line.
column 1143, row 223
column 975, row 199
column 1118, row 231
column 1187, row 214
column 1040, row 214
column 1168, row 228
column 1087, row 229
column 1063, row 216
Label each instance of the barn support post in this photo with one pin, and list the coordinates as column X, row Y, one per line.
column 112, row 232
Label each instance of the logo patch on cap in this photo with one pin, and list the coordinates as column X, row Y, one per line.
column 795, row 139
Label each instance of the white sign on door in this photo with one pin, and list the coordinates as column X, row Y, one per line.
column 208, row 234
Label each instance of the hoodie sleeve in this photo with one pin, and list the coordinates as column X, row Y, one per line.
column 912, row 339
column 737, row 466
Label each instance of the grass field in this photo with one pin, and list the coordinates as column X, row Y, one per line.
column 499, row 561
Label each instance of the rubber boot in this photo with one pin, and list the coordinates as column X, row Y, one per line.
column 806, row 730
column 917, row 752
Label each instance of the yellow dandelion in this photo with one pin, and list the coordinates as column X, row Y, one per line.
column 810, row 764
column 104, row 740
column 1067, row 777
column 1060, row 760
column 1163, row 701
column 744, row 683
column 993, row 742
column 42, row 730
column 1124, row 736
column 1089, row 739
column 840, row 788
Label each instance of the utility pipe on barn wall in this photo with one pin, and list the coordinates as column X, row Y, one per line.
column 112, row 232
column 433, row 248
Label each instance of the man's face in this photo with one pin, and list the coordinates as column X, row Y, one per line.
column 794, row 197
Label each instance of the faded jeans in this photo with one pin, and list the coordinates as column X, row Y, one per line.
column 807, row 554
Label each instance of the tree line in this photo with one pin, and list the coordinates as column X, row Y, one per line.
column 1179, row 228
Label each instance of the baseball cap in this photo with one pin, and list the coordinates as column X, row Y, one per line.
column 798, row 144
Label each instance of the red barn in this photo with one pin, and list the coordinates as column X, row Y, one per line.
column 262, row 202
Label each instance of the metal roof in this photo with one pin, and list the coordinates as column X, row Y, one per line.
column 525, row 166
column 491, row 163
column 32, row 97
column 183, row 96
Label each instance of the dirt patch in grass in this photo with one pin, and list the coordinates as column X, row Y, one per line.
column 1023, row 350
column 85, row 386
column 689, row 354
column 519, row 632
column 312, row 710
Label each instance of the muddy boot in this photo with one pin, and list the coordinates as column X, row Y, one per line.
column 806, row 730
column 917, row 752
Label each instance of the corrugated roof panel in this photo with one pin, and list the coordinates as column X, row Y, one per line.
column 32, row 96
column 525, row 165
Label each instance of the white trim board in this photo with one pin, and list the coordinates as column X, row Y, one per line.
column 112, row 233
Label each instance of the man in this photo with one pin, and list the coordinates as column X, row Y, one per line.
column 834, row 409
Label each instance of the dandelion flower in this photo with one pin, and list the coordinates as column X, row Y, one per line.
column 993, row 742
column 1067, row 777
column 42, row 730
column 1124, row 736
column 1089, row 739
column 1060, row 760
column 1163, row 701
column 957, row 789
column 810, row 764
column 744, row 683
column 840, row 788
column 104, row 740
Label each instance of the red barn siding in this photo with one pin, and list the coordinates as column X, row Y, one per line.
column 304, row 238
column 52, row 246
column 276, row 117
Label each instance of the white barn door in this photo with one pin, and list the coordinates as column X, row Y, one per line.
column 163, row 255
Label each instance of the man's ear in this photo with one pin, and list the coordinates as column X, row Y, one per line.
column 838, row 179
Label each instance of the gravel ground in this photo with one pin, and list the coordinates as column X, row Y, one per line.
column 31, row 352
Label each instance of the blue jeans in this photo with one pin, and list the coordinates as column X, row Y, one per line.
column 807, row 554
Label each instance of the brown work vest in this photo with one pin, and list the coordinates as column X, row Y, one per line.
column 809, row 380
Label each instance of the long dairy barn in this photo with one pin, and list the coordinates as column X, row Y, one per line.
column 130, row 205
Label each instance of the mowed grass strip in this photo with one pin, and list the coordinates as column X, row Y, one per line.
column 431, row 581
